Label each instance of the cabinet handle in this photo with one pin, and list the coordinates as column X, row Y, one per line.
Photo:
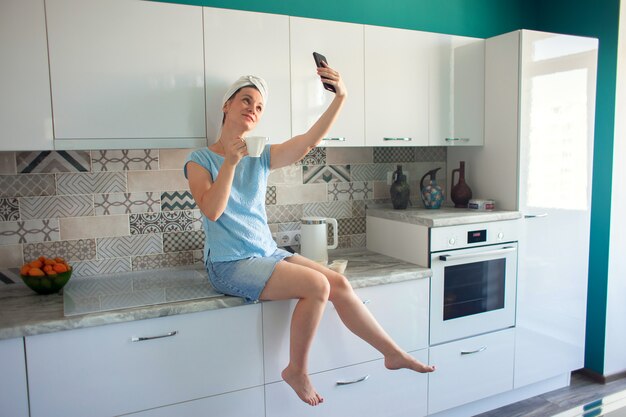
column 142, row 339
column 471, row 352
column 354, row 381
column 457, row 139
column 404, row 139
column 533, row 216
column 335, row 139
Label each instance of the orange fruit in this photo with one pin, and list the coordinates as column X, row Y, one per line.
column 49, row 261
column 36, row 272
column 59, row 260
column 36, row 264
column 24, row 269
column 48, row 269
column 41, row 259
column 60, row 268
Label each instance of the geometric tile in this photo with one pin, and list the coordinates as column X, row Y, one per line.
column 370, row 172
column 101, row 267
column 334, row 209
column 88, row 183
column 27, row 185
column 316, row 156
column 350, row 191
column 165, row 221
column 183, row 241
column 289, row 227
column 10, row 276
column 29, row 231
column 358, row 241
column 7, row 163
column 361, row 155
column 99, row 287
column 167, row 260
column 351, row 226
column 177, row 200
column 358, row 208
column 134, row 299
column 430, row 154
column 197, row 220
column 344, row 242
column 51, row 161
column 198, row 257
column 397, row 154
column 9, row 209
column 71, row 250
column 49, row 207
column 284, row 213
column 124, row 246
column 124, row 203
column 270, row 195
column 326, row 173
column 125, row 160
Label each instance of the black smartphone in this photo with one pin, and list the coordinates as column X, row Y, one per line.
column 318, row 61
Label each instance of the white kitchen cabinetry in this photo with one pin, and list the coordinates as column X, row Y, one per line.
column 396, row 85
column 537, row 158
column 240, row 43
column 13, row 388
column 400, row 308
column 25, row 109
column 126, row 74
column 471, row 369
column 342, row 45
column 457, row 93
column 367, row 389
column 104, row 371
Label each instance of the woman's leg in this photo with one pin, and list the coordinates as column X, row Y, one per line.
column 289, row 281
column 360, row 321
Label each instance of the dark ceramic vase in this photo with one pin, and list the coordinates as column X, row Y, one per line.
column 399, row 190
column 460, row 193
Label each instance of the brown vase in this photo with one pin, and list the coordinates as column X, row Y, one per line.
column 460, row 193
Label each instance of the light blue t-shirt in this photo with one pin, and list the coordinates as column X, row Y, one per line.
column 241, row 231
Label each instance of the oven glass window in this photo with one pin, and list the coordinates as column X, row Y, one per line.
column 473, row 288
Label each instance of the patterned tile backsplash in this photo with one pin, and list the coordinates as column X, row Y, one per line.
column 60, row 203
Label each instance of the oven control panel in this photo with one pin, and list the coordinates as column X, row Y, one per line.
column 470, row 235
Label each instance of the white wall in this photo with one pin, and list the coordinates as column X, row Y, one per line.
column 615, row 359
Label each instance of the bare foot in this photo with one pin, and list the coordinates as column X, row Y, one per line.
column 404, row 360
column 301, row 384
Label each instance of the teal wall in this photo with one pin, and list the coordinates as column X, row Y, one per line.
column 485, row 18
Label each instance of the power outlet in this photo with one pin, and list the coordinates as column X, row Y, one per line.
column 287, row 238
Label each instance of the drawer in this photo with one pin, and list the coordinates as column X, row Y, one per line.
column 100, row 371
column 13, row 389
column 471, row 369
column 244, row 403
column 401, row 309
column 400, row 393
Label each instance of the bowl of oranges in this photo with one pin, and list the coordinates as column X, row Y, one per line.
column 46, row 275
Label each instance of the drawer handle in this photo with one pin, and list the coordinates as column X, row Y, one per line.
column 457, row 139
column 404, row 139
column 471, row 352
column 143, row 339
column 363, row 378
column 338, row 139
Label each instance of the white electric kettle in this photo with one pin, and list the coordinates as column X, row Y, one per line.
column 313, row 240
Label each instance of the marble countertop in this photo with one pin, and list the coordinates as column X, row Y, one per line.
column 24, row 313
column 445, row 216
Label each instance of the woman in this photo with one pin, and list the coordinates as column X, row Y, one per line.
column 241, row 257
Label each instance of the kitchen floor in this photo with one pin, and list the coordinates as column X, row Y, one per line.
column 582, row 390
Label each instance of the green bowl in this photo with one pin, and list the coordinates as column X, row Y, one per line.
column 47, row 284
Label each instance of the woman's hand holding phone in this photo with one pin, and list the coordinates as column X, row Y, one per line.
column 330, row 78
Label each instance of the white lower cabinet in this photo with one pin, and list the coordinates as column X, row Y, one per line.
column 471, row 369
column 129, row 367
column 367, row 389
column 245, row 403
column 13, row 389
column 400, row 308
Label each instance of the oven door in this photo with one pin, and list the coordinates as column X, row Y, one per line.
column 472, row 291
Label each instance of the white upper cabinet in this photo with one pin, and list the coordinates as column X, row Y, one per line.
column 126, row 74
column 396, row 82
column 457, row 91
column 342, row 45
column 246, row 43
column 25, row 111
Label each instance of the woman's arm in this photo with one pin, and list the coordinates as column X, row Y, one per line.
column 296, row 148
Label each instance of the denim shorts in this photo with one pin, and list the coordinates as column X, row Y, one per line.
column 244, row 277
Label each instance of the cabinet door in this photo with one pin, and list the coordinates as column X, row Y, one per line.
column 396, row 81
column 241, row 43
column 342, row 45
column 401, row 309
column 457, row 97
column 368, row 389
column 105, row 371
column 25, row 110
column 244, row 403
column 126, row 70
column 13, row 389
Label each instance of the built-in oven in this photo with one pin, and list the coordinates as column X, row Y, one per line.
column 474, row 279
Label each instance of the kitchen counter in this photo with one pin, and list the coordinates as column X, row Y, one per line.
column 445, row 216
column 24, row 313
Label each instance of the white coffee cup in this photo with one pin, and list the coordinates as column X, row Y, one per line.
column 255, row 145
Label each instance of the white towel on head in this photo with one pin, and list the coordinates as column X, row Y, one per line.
column 245, row 81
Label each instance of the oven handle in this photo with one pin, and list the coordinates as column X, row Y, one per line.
column 505, row 249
